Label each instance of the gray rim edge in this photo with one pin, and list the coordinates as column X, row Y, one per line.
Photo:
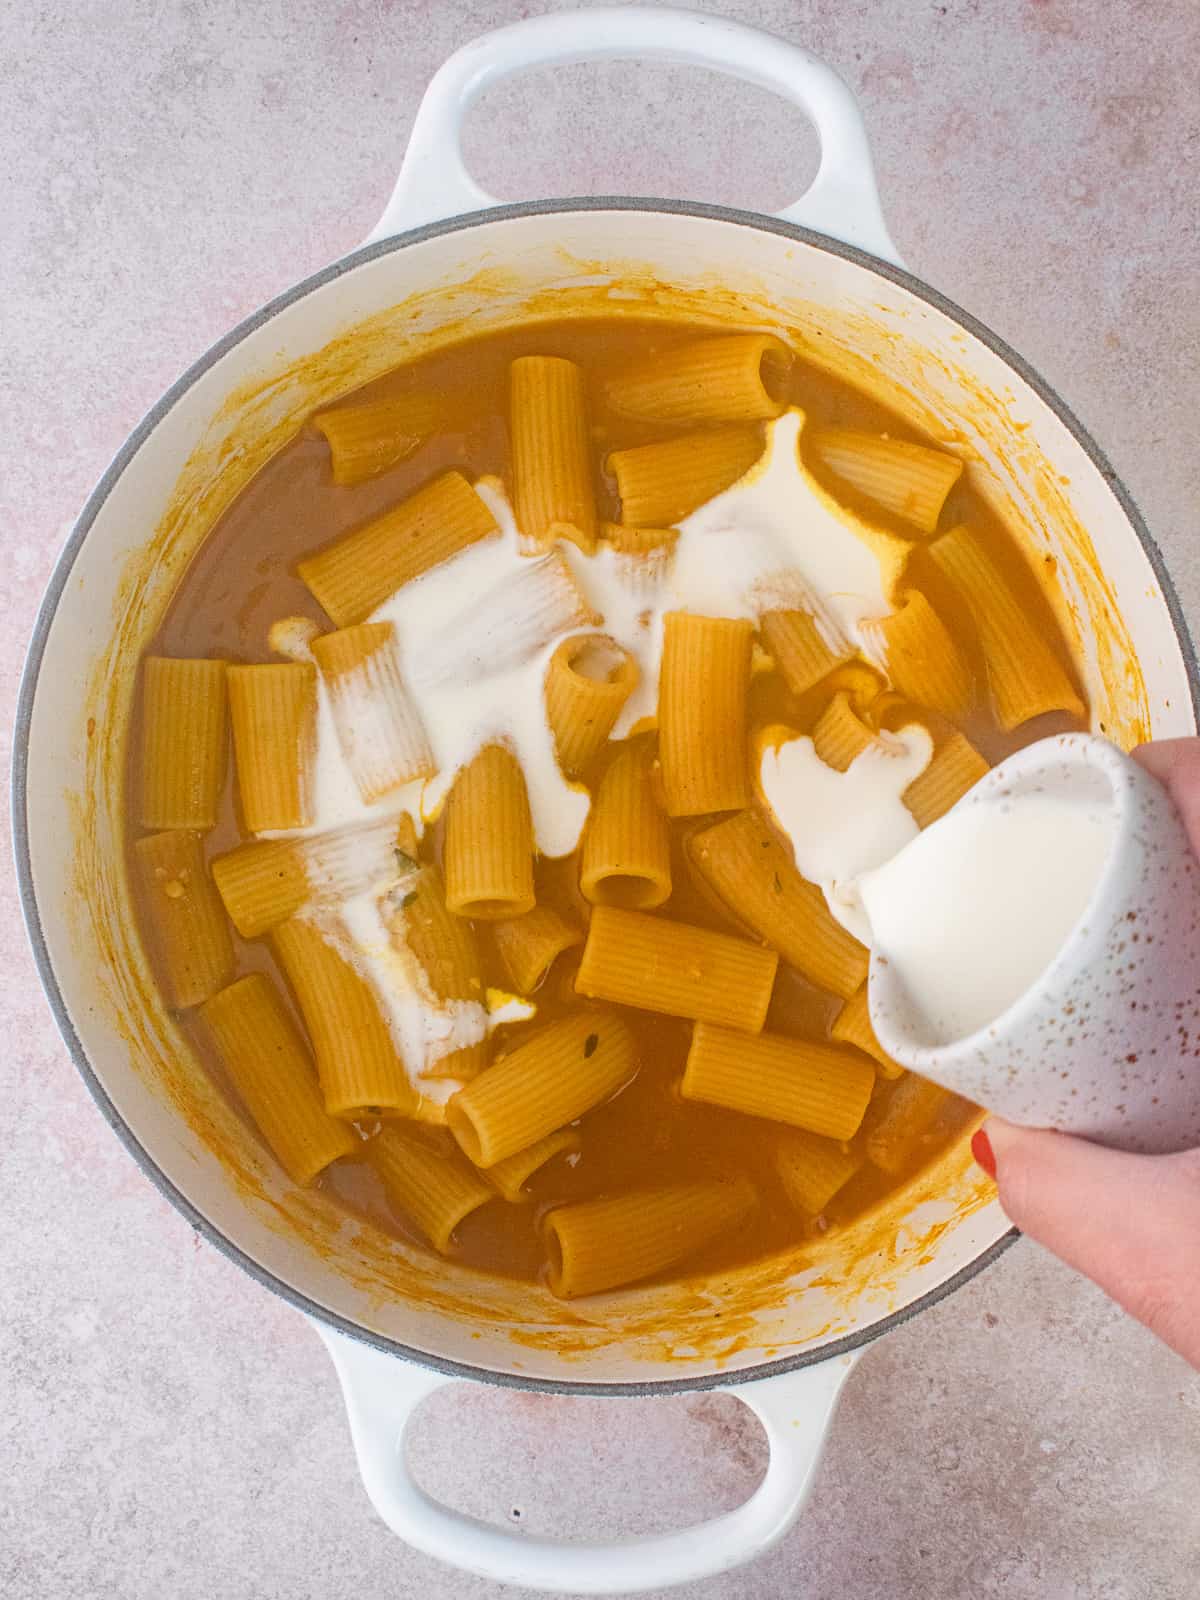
column 49, row 606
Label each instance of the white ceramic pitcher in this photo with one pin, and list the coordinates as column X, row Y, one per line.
column 1107, row 1042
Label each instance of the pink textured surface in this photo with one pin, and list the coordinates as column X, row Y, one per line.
column 167, row 1427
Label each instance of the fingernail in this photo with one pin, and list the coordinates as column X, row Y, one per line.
column 981, row 1149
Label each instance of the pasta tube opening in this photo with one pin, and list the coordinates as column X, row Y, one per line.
column 588, row 681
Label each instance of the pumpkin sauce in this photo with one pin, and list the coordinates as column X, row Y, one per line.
column 242, row 579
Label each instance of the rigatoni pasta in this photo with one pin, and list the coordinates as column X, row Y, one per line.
column 551, row 452
column 509, row 625
column 626, row 858
column 749, row 871
column 536, row 980
column 427, row 1178
column 588, row 681
column 185, row 913
column 511, row 1176
column 601, row 1244
column 853, row 1026
column 921, row 658
column 358, row 1064
column 904, row 1124
column 273, row 709
column 840, row 735
column 660, row 484
column 801, row 649
column 446, row 950
column 955, row 767
column 378, row 725
column 702, row 687
column 267, row 1060
column 808, row 1085
column 558, row 1074
column 488, row 850
column 365, row 440
column 909, row 480
column 183, row 747
column 657, row 965
column 1025, row 677
column 812, row 1170
column 729, row 378
column 529, row 945
column 265, row 882
column 351, row 576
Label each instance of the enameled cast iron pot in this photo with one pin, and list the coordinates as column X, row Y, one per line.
column 444, row 262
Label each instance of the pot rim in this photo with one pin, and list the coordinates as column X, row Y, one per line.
column 61, row 575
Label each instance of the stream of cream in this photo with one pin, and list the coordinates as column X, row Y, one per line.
column 973, row 910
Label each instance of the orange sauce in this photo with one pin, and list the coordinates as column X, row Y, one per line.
column 243, row 579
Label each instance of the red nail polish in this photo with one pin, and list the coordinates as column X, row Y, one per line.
column 981, row 1149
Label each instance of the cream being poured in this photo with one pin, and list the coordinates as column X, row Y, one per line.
column 968, row 913
column 973, row 910
column 842, row 824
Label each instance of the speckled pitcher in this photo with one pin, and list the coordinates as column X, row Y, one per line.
column 1107, row 1043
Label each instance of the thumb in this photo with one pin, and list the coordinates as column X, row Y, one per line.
column 1131, row 1223
column 1176, row 765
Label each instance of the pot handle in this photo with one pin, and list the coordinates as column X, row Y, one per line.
column 842, row 200
column 382, row 1392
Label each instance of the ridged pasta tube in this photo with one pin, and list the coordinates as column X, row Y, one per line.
column 626, row 854
column 751, row 873
column 357, row 572
column 811, row 1170
column 184, row 739
column 273, row 709
column 588, row 680
column 955, row 767
column 602, row 1244
column 185, row 912
column 660, row 484
column 1025, row 677
column 428, row 1180
column 809, row 1085
column 551, row 452
column 671, row 967
column 702, row 688
column 488, row 850
column 530, row 945
column 909, row 480
column 558, row 1074
column 269, row 1065
column 360, row 1070
column 378, row 725
column 376, row 435
column 921, row 657
column 852, row 1026
column 733, row 377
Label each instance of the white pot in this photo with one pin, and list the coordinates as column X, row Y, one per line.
column 398, row 1324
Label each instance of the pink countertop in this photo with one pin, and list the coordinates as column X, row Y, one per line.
column 167, row 1428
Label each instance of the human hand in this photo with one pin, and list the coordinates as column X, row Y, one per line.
column 1130, row 1223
